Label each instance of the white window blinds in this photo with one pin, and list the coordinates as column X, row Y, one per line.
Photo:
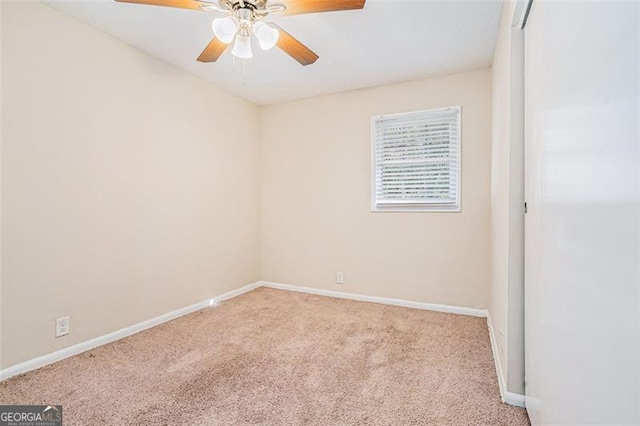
column 416, row 160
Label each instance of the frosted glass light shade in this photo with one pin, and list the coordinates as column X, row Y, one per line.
column 225, row 29
column 242, row 47
column 267, row 36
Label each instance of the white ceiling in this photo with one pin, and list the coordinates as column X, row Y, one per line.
column 387, row 41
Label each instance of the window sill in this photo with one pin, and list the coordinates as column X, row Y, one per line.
column 433, row 209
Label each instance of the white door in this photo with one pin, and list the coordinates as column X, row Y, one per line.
column 582, row 286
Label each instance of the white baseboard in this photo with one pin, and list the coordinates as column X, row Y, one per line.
column 237, row 292
column 383, row 300
column 516, row 399
column 117, row 335
column 507, row 397
column 496, row 357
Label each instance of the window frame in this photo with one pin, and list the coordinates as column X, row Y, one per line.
column 423, row 207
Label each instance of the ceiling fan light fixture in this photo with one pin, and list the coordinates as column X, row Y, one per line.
column 267, row 36
column 225, row 29
column 242, row 47
column 242, row 19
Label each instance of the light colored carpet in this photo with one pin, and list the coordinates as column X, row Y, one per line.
column 276, row 357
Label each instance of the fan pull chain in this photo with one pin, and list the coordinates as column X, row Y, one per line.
column 244, row 73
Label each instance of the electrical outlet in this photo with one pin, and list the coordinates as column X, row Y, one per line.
column 340, row 277
column 62, row 326
column 501, row 343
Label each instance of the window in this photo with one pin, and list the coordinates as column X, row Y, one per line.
column 416, row 161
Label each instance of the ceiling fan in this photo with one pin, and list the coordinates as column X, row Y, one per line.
column 244, row 18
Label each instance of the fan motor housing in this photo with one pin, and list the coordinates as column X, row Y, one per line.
column 247, row 4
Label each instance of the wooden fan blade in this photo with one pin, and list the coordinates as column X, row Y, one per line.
column 212, row 52
column 294, row 47
column 298, row 7
column 182, row 4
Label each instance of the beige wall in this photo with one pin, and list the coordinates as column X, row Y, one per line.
column 128, row 191
column 315, row 192
column 507, row 220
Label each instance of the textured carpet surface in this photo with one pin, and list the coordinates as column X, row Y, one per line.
column 275, row 357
